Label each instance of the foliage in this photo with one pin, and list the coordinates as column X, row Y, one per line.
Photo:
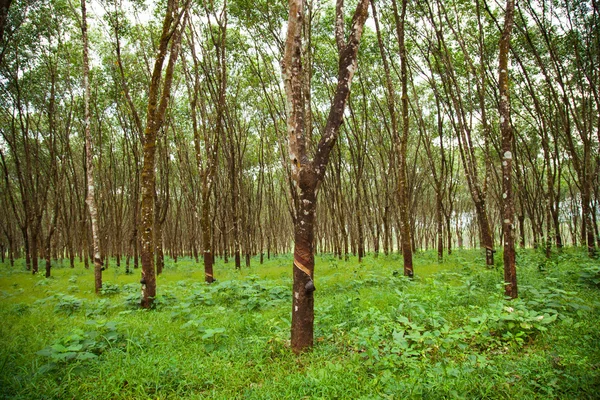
column 591, row 275
column 81, row 345
column 378, row 334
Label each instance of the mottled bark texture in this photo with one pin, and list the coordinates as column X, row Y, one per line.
column 308, row 174
column 400, row 139
column 169, row 42
column 89, row 156
column 402, row 144
column 508, row 209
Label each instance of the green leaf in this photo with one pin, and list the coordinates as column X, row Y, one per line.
column 47, row 352
column 86, row 356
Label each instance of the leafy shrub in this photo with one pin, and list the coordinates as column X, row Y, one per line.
column 132, row 301
column 109, row 289
column 80, row 345
column 98, row 308
column 131, row 288
column 181, row 311
column 66, row 304
column 201, row 297
column 513, row 322
column 73, row 289
column 20, row 309
column 165, row 300
column 250, row 294
column 591, row 275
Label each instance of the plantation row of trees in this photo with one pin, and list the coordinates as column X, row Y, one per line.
column 201, row 147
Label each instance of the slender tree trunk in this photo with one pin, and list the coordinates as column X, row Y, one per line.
column 400, row 140
column 440, row 227
column 51, row 230
column 158, row 242
column 508, row 211
column 171, row 33
column 89, row 156
column 407, row 247
column 34, row 253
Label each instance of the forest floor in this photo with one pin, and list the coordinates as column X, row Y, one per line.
column 449, row 333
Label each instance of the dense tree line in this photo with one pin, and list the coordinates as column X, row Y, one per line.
column 189, row 129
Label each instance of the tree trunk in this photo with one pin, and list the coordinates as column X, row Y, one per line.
column 90, row 199
column 400, row 140
column 508, row 210
column 407, row 244
column 306, row 174
column 158, row 242
column 171, row 33
column 440, row 227
column 34, row 253
column 304, row 266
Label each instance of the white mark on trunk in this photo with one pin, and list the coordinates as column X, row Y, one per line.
column 296, row 295
column 508, row 155
column 296, row 308
column 504, row 195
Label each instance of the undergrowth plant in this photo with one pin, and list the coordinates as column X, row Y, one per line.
column 378, row 334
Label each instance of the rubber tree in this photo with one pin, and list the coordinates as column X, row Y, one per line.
column 170, row 39
column 400, row 138
column 508, row 208
column 89, row 155
column 308, row 174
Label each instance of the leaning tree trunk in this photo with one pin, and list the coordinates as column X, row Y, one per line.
column 89, row 156
column 154, row 120
column 508, row 209
column 308, row 174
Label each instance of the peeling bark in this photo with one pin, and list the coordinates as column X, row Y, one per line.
column 308, row 174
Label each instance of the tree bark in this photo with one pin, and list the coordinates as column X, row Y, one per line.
column 171, row 34
column 89, row 157
column 508, row 211
column 308, row 174
column 400, row 139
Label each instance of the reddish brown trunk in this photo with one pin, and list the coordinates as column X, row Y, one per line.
column 304, row 266
column 305, row 173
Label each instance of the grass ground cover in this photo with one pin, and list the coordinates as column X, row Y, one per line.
column 448, row 333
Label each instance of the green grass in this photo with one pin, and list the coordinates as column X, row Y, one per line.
column 447, row 334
